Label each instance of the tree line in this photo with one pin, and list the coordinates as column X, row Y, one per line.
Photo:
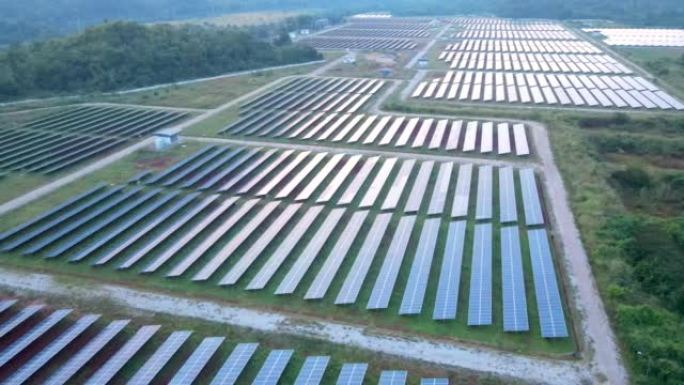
column 122, row 55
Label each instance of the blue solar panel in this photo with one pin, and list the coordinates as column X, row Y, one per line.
column 414, row 294
column 18, row 319
column 146, row 374
column 197, row 360
column 326, row 274
column 312, row 371
column 384, row 284
column 393, row 377
column 531, row 200
column 11, row 351
column 352, row 374
column 415, row 197
column 507, row 204
column 483, row 209
column 446, row 303
column 439, row 195
column 235, row 364
column 480, row 299
column 46, row 354
column 6, row 304
column 462, row 194
column 273, row 367
column 354, row 280
column 107, row 371
column 66, row 371
column 513, row 282
column 549, row 305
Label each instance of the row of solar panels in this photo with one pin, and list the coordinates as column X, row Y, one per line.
column 498, row 24
column 516, row 34
column 360, row 43
column 561, row 96
column 79, row 218
column 568, row 63
column 531, row 46
column 315, row 86
column 345, row 176
column 265, row 235
column 353, row 31
column 57, row 350
column 65, row 138
column 104, row 121
column 385, row 130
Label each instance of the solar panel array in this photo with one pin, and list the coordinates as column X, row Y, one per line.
column 640, row 37
column 59, row 349
column 376, row 34
column 322, row 94
column 385, row 131
column 315, row 234
column 537, row 63
column 63, row 139
column 605, row 91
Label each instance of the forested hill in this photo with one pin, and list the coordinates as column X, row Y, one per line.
column 34, row 19
column 125, row 54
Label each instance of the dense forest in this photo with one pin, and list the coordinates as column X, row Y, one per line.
column 34, row 19
column 125, row 54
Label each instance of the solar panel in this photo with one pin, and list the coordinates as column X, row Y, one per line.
column 46, row 354
column 362, row 129
column 235, row 364
column 246, row 171
column 352, row 284
column 263, row 173
column 415, row 197
column 286, row 246
column 373, row 135
column 192, row 367
column 470, row 136
column 422, row 133
column 462, row 194
column 439, row 195
column 11, row 351
column 549, row 306
column 179, row 243
column 480, row 299
column 454, row 135
column 531, row 201
column 446, row 303
column 393, row 377
column 212, row 238
column 146, row 374
column 229, row 248
column 384, row 284
column 6, row 304
column 151, row 224
column 434, row 381
column 352, row 374
column 406, row 132
column 483, row 209
column 303, row 173
column 338, row 179
column 520, row 139
column 389, row 134
column 487, row 140
column 332, row 264
column 376, row 186
column 355, row 184
column 19, row 318
column 273, row 367
column 507, row 204
column 284, row 172
column 306, row 258
column 238, row 163
column 397, row 187
column 438, row 135
column 513, row 282
column 110, row 368
column 259, row 245
column 77, row 361
column 322, row 174
column 412, row 302
column 312, row 371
